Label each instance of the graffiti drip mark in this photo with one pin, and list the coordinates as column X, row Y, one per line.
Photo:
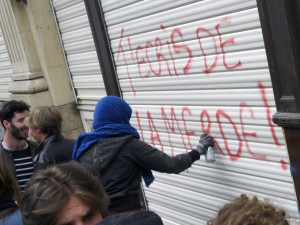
column 284, row 165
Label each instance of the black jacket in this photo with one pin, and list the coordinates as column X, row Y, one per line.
column 138, row 218
column 54, row 149
column 119, row 162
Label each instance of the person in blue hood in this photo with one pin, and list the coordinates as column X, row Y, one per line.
column 121, row 159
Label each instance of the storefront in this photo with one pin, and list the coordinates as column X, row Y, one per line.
column 186, row 68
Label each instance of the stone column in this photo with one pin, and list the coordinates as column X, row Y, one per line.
column 40, row 73
column 28, row 82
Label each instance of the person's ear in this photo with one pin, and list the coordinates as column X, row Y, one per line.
column 6, row 124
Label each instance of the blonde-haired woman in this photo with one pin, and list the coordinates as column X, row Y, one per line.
column 45, row 125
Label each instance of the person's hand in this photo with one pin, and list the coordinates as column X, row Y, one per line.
column 204, row 142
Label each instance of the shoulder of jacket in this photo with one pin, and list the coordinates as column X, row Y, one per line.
column 4, row 156
column 135, row 143
column 133, row 140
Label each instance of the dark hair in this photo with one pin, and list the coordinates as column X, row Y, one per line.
column 9, row 109
column 246, row 211
column 8, row 182
column 45, row 118
column 48, row 191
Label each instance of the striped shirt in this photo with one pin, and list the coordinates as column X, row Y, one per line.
column 23, row 166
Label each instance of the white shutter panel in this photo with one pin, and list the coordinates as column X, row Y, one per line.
column 6, row 72
column 81, row 55
column 190, row 67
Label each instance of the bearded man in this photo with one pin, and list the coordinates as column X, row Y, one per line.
column 16, row 159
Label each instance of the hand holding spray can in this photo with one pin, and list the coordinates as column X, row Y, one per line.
column 206, row 141
column 210, row 155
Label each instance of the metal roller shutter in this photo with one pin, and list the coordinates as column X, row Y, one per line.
column 5, row 70
column 192, row 67
column 81, row 56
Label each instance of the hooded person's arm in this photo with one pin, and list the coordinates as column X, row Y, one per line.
column 151, row 158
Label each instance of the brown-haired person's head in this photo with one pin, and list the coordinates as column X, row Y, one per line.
column 249, row 211
column 44, row 121
column 62, row 194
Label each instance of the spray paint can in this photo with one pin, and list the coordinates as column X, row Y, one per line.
column 210, row 155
